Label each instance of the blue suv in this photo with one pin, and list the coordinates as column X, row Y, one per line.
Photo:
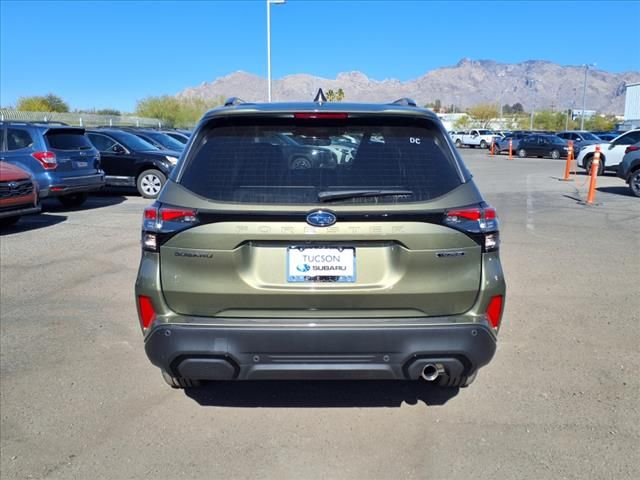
column 61, row 159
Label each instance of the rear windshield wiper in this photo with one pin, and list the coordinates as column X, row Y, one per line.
column 344, row 194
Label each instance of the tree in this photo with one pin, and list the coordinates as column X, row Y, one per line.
column 548, row 120
column 462, row 123
column 56, row 103
column 109, row 111
column 335, row 96
column 46, row 103
column 600, row 123
column 517, row 108
column 483, row 113
column 176, row 111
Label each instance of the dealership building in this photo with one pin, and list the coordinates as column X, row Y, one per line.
column 631, row 107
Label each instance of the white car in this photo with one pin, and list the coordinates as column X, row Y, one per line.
column 473, row 138
column 611, row 153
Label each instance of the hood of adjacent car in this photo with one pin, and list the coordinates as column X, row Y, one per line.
column 10, row 173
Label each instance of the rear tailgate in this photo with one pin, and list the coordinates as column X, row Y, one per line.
column 259, row 245
column 262, row 269
column 75, row 154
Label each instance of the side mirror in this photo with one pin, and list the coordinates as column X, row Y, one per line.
column 611, row 145
column 118, row 150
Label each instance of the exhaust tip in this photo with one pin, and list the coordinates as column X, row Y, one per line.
column 432, row 371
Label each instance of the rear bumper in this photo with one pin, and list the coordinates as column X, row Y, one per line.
column 64, row 186
column 318, row 352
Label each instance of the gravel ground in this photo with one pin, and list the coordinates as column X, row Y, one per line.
column 560, row 400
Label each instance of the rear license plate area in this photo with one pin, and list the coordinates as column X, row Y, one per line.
column 321, row 264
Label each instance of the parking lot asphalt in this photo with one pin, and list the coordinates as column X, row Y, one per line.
column 560, row 400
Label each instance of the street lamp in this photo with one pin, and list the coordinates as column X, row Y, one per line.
column 269, row 3
column 584, row 92
column 533, row 109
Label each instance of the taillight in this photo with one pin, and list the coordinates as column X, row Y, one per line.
column 494, row 311
column 631, row 148
column 146, row 311
column 160, row 222
column 47, row 159
column 479, row 220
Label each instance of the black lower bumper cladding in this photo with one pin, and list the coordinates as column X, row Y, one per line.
column 316, row 352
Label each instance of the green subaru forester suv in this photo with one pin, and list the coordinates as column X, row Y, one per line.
column 320, row 241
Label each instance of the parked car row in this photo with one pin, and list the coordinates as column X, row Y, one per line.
column 42, row 160
column 620, row 155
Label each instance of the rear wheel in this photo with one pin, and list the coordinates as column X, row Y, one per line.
column 73, row 199
column 8, row 221
column 589, row 161
column 178, row 382
column 555, row 154
column 522, row 153
column 634, row 183
column 483, row 144
column 150, row 182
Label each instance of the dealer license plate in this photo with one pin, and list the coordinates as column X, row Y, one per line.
column 321, row 264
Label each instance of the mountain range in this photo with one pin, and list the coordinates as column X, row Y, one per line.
column 534, row 83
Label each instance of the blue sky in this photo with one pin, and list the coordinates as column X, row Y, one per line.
column 112, row 53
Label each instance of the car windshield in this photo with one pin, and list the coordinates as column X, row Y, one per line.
column 165, row 140
column 557, row 140
column 132, row 142
column 352, row 163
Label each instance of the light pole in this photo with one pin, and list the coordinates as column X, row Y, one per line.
column 533, row 109
column 584, row 93
column 269, row 3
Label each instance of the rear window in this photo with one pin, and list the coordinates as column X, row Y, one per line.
column 67, row 140
column 313, row 162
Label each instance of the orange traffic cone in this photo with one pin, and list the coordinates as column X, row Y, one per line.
column 595, row 166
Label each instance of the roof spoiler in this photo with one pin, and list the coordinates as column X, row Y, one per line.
column 405, row 102
column 233, row 101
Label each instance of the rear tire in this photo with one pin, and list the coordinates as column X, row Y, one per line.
column 483, row 144
column 522, row 153
column 589, row 161
column 634, row 183
column 8, row 221
column 73, row 199
column 178, row 382
column 150, row 182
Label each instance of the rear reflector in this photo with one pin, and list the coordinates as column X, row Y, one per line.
column 494, row 311
column 47, row 159
column 147, row 313
column 316, row 115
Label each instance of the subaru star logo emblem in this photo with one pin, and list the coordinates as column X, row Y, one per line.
column 321, row 219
